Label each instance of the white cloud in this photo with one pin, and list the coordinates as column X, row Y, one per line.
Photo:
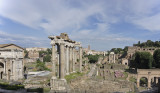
column 150, row 23
column 24, row 41
column 83, row 19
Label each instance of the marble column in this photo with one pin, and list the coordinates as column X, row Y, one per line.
column 62, row 61
column 73, row 58
column 67, row 60
column 70, row 59
column 80, row 59
column 53, row 60
column 58, row 60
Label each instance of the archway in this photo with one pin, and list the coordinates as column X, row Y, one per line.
column 143, row 82
column 1, row 77
column 1, row 70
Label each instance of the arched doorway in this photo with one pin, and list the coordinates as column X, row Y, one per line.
column 143, row 82
column 1, row 70
column 1, row 77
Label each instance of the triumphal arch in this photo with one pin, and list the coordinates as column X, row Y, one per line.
column 152, row 75
column 64, row 54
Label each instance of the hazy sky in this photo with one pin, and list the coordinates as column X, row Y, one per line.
column 103, row 24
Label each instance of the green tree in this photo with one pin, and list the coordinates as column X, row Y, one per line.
column 93, row 58
column 156, row 57
column 47, row 58
column 142, row 60
column 41, row 66
column 49, row 50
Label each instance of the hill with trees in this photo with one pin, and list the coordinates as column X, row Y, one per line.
column 148, row 43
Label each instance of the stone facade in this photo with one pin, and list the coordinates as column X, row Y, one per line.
column 33, row 54
column 63, row 59
column 152, row 76
column 36, row 49
column 132, row 50
column 125, row 61
column 11, row 62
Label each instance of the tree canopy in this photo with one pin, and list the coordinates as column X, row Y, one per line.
column 142, row 60
column 92, row 58
column 156, row 57
column 148, row 43
column 46, row 55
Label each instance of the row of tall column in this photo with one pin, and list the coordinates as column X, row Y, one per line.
column 66, row 59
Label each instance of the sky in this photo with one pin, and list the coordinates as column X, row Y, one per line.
column 102, row 24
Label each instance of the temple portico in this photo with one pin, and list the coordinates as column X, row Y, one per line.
column 64, row 64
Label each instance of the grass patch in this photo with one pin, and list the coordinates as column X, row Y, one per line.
column 46, row 90
column 125, row 75
column 73, row 76
column 132, row 79
column 11, row 87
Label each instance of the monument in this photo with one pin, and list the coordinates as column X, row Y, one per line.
column 65, row 50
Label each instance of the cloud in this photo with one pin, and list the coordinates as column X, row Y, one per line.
column 24, row 41
column 150, row 23
column 89, row 21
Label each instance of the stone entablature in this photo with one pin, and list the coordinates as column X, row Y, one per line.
column 11, row 53
column 33, row 54
column 65, row 56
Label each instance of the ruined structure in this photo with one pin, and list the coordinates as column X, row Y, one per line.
column 152, row 75
column 111, row 57
column 65, row 55
column 124, row 61
column 33, row 54
column 11, row 62
column 134, row 49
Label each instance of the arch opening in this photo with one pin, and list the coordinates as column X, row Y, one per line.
column 143, row 82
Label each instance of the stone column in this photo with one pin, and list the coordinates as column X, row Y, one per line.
column 149, row 83
column 67, row 60
column 138, row 80
column 156, row 80
column 4, row 67
column 62, row 61
column 53, row 60
column 70, row 59
column 80, row 59
column 73, row 58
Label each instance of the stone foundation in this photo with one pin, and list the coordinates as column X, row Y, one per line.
column 58, row 85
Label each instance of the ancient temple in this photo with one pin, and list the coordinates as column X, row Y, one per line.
column 63, row 59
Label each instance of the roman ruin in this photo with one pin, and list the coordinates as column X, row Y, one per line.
column 63, row 53
column 11, row 62
column 152, row 76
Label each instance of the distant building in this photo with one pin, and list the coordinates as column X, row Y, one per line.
column 134, row 49
column 33, row 54
column 124, row 61
column 93, row 52
column 36, row 49
column 11, row 62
